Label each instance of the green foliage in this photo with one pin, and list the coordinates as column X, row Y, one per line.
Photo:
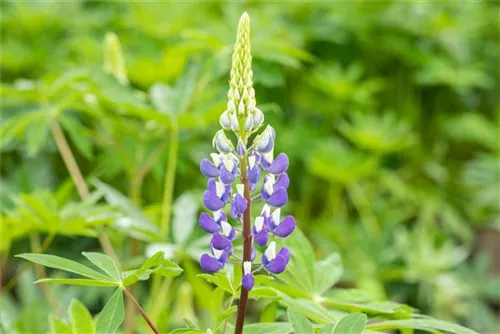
column 111, row 315
column 388, row 112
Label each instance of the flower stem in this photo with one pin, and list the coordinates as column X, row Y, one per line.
column 247, row 246
column 79, row 181
column 141, row 311
column 169, row 181
column 40, row 273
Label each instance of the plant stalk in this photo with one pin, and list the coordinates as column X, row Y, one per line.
column 168, row 189
column 40, row 273
column 141, row 311
column 79, row 181
column 247, row 247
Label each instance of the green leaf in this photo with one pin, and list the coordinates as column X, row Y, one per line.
column 327, row 273
column 78, row 135
column 300, row 323
column 81, row 320
column 78, row 281
column 105, row 263
column 112, row 315
column 310, row 309
column 114, row 61
column 137, row 224
column 425, row 324
column 351, row 324
column 328, row 329
column 155, row 264
column 57, row 326
column 184, row 220
column 268, row 328
column 224, row 316
column 57, row 262
column 36, row 137
column 300, row 271
column 220, row 279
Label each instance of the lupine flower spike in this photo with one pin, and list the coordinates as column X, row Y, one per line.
column 234, row 177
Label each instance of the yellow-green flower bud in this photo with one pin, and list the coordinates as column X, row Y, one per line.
column 241, row 104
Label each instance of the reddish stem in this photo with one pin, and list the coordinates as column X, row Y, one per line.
column 247, row 247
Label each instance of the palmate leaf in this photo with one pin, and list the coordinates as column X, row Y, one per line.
column 135, row 222
column 224, row 316
column 57, row 326
column 105, row 263
column 220, row 279
column 57, row 262
column 267, row 328
column 300, row 323
column 351, row 324
column 112, row 314
column 156, row 264
column 78, row 281
column 306, row 275
column 81, row 320
column 425, row 324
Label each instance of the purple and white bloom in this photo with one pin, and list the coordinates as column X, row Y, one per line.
column 216, row 195
column 260, row 233
column 264, row 143
column 223, row 239
column 248, row 281
column 239, row 204
column 209, row 224
column 281, row 228
column 224, row 166
column 240, row 148
column 275, row 194
column 222, row 143
column 247, row 163
column 278, row 165
column 253, row 172
column 275, row 262
column 209, row 169
column 228, row 170
column 215, row 262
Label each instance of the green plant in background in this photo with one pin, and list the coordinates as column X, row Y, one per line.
column 388, row 113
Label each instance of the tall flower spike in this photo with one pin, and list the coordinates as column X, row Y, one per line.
column 245, row 162
column 241, row 112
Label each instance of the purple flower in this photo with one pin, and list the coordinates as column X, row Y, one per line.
column 275, row 263
column 208, row 169
column 281, row 228
column 274, row 196
column 248, row 281
column 283, row 181
column 216, row 195
column 223, row 240
column 224, row 166
column 209, row 224
column 239, row 204
column 241, row 149
column 279, row 165
column 264, row 142
column 214, row 262
column 253, row 172
column 228, row 170
column 260, row 234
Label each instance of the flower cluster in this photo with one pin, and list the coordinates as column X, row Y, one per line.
column 243, row 174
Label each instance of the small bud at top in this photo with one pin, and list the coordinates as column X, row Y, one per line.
column 241, row 94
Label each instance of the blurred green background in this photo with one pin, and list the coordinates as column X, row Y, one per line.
column 389, row 112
